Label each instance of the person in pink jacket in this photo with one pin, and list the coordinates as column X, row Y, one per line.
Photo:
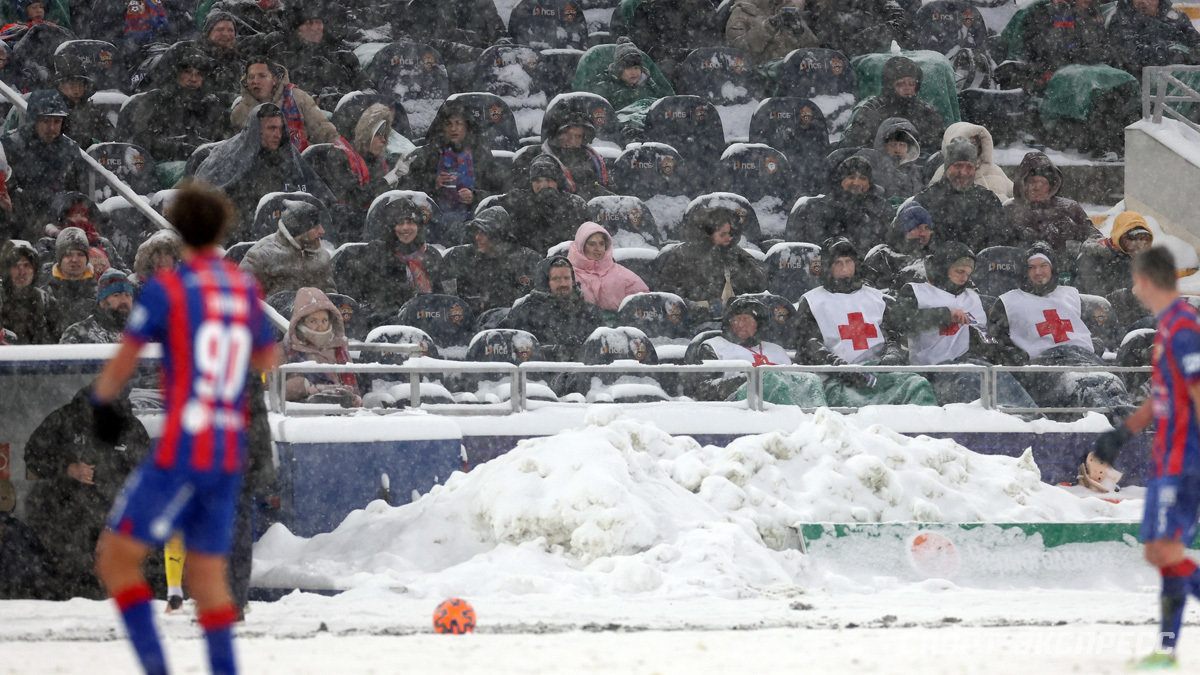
column 604, row 283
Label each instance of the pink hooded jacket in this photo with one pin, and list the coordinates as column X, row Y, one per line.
column 604, row 283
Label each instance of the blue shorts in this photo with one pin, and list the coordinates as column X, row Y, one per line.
column 1172, row 508
column 155, row 503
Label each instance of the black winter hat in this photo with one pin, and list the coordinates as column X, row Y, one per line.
column 852, row 165
column 625, row 55
column 545, row 166
column 943, row 258
column 899, row 67
column 832, row 249
column 299, row 217
column 70, row 67
column 47, row 103
column 745, row 304
column 493, row 221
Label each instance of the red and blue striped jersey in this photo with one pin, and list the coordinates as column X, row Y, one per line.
column 1176, row 360
column 207, row 316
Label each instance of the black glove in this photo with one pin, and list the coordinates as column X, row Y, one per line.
column 1109, row 444
column 107, row 421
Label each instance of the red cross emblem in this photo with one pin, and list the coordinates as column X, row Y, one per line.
column 1055, row 326
column 760, row 359
column 857, row 331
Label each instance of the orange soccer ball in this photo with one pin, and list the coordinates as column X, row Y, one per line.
column 455, row 616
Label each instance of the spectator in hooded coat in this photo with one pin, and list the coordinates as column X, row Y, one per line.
column 901, row 258
column 567, row 137
column 963, row 210
column 161, row 250
column 268, row 82
column 851, row 207
column 626, row 80
column 1103, row 267
column 895, row 159
column 710, row 268
column 455, row 166
column 87, row 124
column 371, row 133
column 768, row 29
column 71, row 280
column 259, row 160
column 43, row 160
column 987, row 173
column 74, row 209
column 555, row 311
column 943, row 321
column 604, row 283
column 79, row 476
column 670, row 29
column 114, row 301
column 312, row 53
column 493, row 270
column 845, row 322
column 745, row 320
column 544, row 214
column 315, row 333
column 186, row 115
column 1039, row 213
column 293, row 256
column 900, row 82
column 397, row 264
column 1151, row 33
column 1041, row 323
column 27, row 310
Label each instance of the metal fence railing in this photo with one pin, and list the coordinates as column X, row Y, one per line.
column 520, row 376
column 1162, row 87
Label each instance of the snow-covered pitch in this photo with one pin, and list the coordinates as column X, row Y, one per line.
column 618, row 548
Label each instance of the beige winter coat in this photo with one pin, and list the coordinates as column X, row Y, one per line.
column 318, row 129
column 749, row 29
column 987, row 173
column 299, row 386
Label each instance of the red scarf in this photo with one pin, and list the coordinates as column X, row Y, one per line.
column 357, row 165
column 293, row 119
column 418, row 278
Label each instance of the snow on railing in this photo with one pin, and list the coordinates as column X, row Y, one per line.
column 1161, row 87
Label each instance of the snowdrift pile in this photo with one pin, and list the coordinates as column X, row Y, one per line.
column 621, row 506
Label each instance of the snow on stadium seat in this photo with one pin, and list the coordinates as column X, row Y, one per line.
column 556, row 69
column 998, row 269
column 411, row 70
column 657, row 314
column 689, row 124
column 723, row 75
column 351, row 107
column 395, row 390
column 640, row 261
column 448, row 319
column 505, row 345
column 549, row 24
column 755, row 170
column 126, row 226
column 100, row 59
column 647, row 170
column 508, row 70
column 815, row 72
column 131, row 163
column 624, row 343
column 796, row 127
column 32, row 54
column 601, row 112
column 793, row 269
column 747, row 216
column 236, row 252
column 496, row 122
column 627, row 219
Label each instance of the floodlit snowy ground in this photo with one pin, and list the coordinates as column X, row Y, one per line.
column 614, row 547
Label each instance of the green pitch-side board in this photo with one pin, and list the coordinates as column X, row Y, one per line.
column 1053, row 534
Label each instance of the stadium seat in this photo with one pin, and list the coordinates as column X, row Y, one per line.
column 132, row 112
column 943, row 25
column 235, row 253
column 345, row 259
column 411, row 70
column 549, row 24
column 793, row 269
column 101, row 60
column 197, row 158
column 620, row 214
column 556, row 68
column 796, row 127
column 504, row 345
column 692, row 355
column 603, row 116
column 1006, row 114
column 640, row 261
column 779, row 326
column 689, row 124
column 755, row 170
column 33, row 53
column 398, row 335
column 658, row 315
column 496, row 122
column 351, row 106
column 508, row 70
column 446, row 318
column 491, row 318
column 1098, row 317
column 723, row 75
column 395, row 390
column 131, row 163
column 646, row 170
column 815, row 72
column 126, row 226
column 998, row 269
column 351, row 320
column 270, row 209
column 606, row 345
column 748, row 217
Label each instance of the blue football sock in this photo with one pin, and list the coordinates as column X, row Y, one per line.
column 1173, row 599
column 134, row 603
column 218, row 632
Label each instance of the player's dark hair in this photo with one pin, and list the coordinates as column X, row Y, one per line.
column 1157, row 265
column 200, row 213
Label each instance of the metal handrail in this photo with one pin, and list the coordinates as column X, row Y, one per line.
column 519, row 376
column 1156, row 82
